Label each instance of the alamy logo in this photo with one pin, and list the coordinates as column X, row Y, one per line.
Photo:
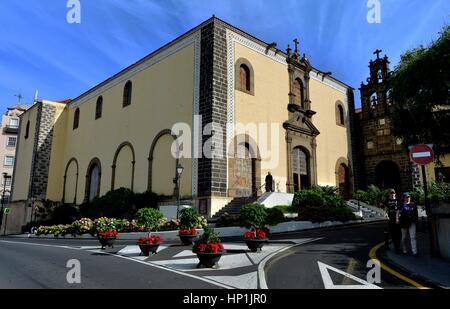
column 74, row 14
column 374, row 274
column 74, row 274
column 374, row 14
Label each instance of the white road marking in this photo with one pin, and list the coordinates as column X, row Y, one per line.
column 152, row 264
column 245, row 281
column 226, row 262
column 129, row 259
column 261, row 272
column 184, row 253
column 328, row 282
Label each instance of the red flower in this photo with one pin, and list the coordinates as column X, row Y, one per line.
column 191, row 231
column 258, row 234
column 208, row 248
column 152, row 240
column 107, row 234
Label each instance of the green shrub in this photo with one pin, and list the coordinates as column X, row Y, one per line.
column 253, row 216
column 308, row 198
column 334, row 201
column 328, row 190
column 209, row 236
column 373, row 196
column 361, row 195
column 149, row 217
column 202, row 222
column 83, row 226
column 145, row 200
column 104, row 225
column 439, row 193
column 188, row 218
column 65, row 214
column 274, row 216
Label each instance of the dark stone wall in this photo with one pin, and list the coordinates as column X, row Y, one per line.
column 42, row 151
column 212, row 173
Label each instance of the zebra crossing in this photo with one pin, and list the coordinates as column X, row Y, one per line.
column 238, row 266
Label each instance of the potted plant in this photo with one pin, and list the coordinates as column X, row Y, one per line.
column 149, row 218
column 254, row 217
column 187, row 236
column 188, row 223
column 149, row 244
column 107, row 238
column 255, row 239
column 209, row 249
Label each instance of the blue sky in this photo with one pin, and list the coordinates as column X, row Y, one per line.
column 40, row 50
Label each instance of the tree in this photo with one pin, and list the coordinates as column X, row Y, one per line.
column 421, row 95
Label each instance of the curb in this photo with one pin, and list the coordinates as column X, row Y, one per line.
column 411, row 274
column 226, row 232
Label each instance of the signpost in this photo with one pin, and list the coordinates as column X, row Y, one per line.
column 422, row 155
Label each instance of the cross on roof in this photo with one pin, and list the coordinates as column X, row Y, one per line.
column 296, row 42
column 377, row 52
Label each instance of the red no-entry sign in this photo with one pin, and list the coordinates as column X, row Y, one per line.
column 422, row 154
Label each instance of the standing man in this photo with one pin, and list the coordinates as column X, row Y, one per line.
column 391, row 207
column 269, row 182
column 408, row 217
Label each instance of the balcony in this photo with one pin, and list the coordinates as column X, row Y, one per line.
column 11, row 129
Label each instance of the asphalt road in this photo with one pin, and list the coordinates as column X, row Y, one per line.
column 345, row 249
column 25, row 265
column 41, row 263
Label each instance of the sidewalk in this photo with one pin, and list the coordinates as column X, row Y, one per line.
column 424, row 267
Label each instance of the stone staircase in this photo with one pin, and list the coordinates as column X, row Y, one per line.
column 365, row 211
column 234, row 207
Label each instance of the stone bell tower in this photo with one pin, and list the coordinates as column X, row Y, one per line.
column 384, row 159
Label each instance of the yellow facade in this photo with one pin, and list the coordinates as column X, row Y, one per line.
column 268, row 105
column 132, row 145
column 430, row 168
column 24, row 155
column 151, row 111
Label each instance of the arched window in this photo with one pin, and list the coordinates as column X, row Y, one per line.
column 127, row 92
column 27, row 130
column 389, row 97
column 244, row 74
column 340, row 115
column 373, row 101
column 99, row 108
column 298, row 92
column 76, row 119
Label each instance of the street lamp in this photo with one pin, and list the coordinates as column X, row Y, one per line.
column 5, row 176
column 180, row 169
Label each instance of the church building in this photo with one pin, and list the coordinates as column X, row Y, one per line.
column 256, row 108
